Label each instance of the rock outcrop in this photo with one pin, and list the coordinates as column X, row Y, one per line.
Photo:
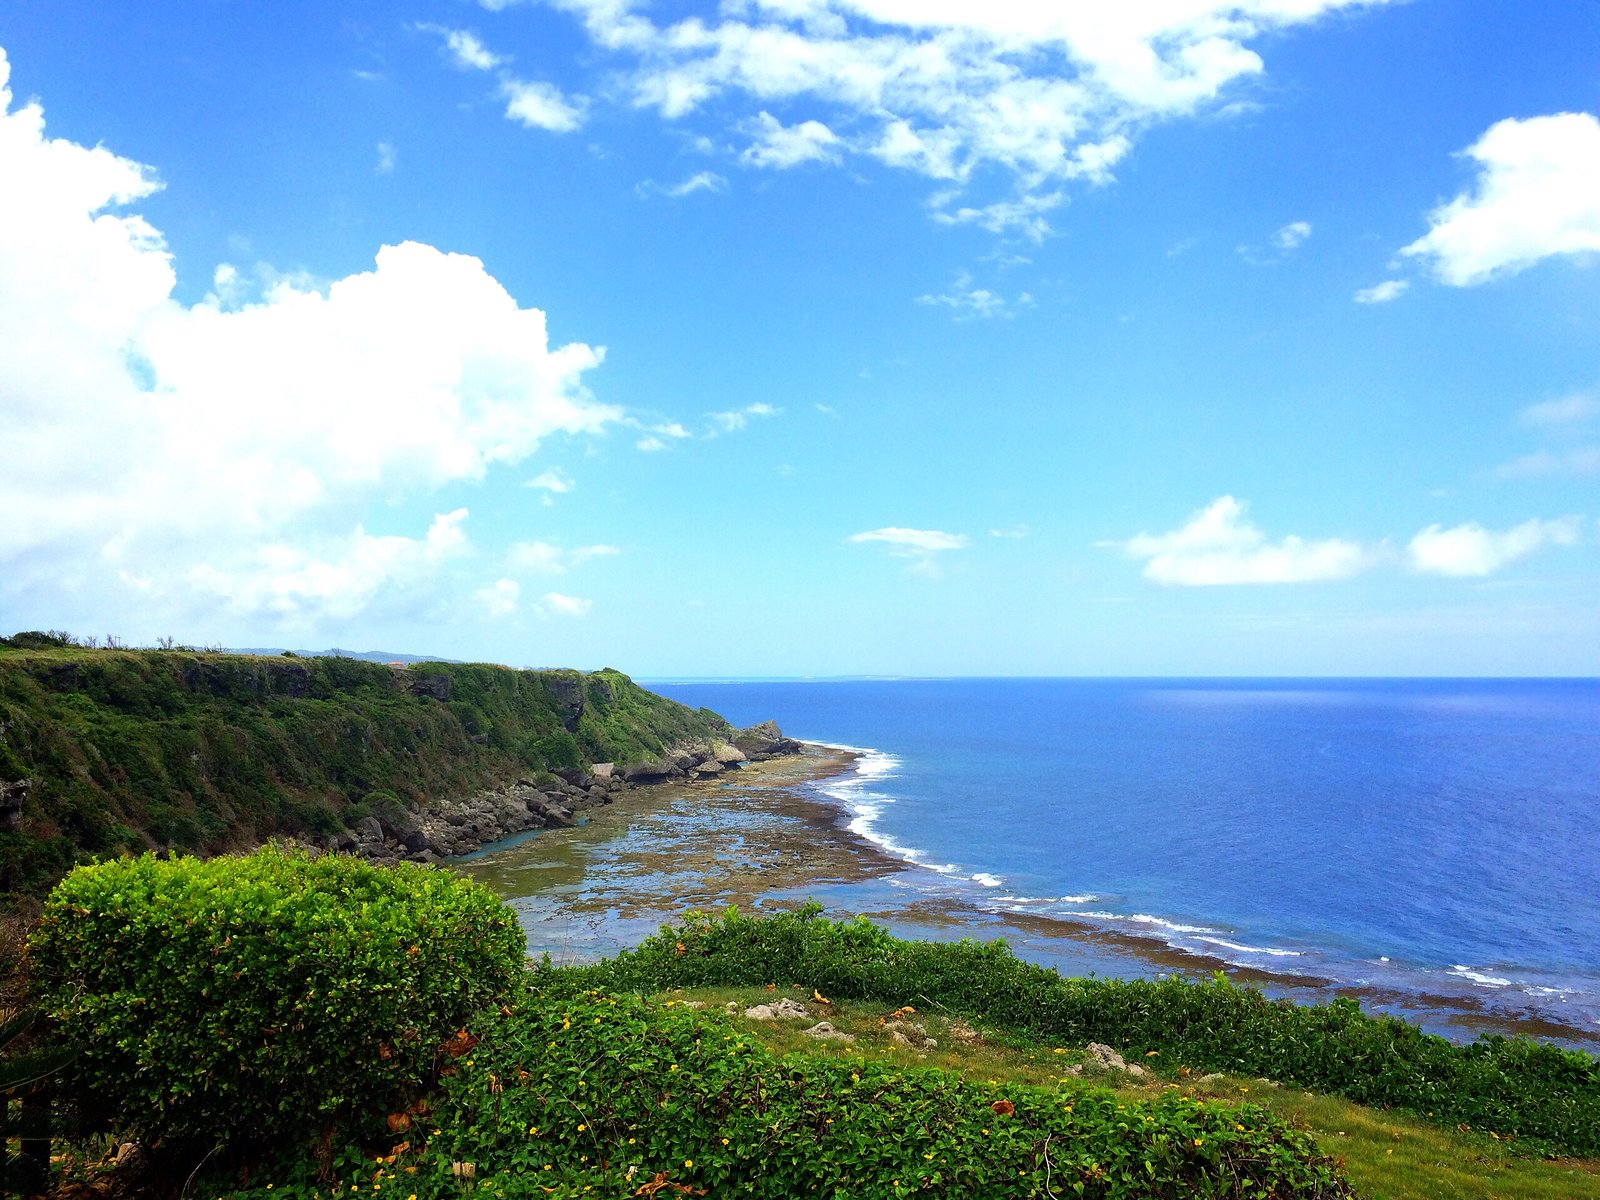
column 449, row 828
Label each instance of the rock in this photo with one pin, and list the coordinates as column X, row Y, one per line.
column 726, row 755
column 603, row 770
column 649, row 772
column 910, row 1033
column 1108, row 1059
column 368, row 830
column 1214, row 1077
column 783, row 1010
column 566, row 693
column 708, row 769
column 11, row 797
column 556, row 815
column 764, row 741
column 400, row 823
column 435, row 687
column 824, row 1031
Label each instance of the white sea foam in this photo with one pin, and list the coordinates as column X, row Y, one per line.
column 988, row 880
column 1173, row 926
column 867, row 806
column 1244, row 949
column 1466, row 972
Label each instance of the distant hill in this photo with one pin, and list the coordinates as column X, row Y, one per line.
column 104, row 751
column 383, row 656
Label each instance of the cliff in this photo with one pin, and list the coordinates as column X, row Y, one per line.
column 110, row 750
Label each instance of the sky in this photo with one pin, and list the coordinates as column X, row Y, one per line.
column 808, row 337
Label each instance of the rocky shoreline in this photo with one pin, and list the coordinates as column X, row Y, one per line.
column 450, row 828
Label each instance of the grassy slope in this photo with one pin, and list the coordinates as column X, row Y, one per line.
column 132, row 749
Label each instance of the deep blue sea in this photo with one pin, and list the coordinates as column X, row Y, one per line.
column 1419, row 837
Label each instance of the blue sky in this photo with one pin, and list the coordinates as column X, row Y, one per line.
column 808, row 337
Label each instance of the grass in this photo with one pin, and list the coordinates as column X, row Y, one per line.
column 1386, row 1155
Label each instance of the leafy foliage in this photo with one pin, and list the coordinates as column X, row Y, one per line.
column 569, row 1093
column 133, row 749
column 1546, row 1097
column 262, row 997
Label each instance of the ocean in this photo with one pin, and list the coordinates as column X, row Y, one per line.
column 1432, row 846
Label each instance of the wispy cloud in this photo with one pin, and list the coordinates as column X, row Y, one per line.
column 968, row 303
column 919, row 545
column 555, row 604
column 545, row 558
column 500, row 598
column 554, row 480
column 387, row 158
column 1565, row 412
column 700, row 181
column 1034, row 96
column 1383, row 293
column 1292, row 235
column 736, row 419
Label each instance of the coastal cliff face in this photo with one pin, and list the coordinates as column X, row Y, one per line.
column 106, row 751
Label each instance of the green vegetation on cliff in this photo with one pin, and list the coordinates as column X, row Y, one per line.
column 128, row 750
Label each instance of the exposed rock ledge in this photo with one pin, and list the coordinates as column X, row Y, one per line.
column 450, row 827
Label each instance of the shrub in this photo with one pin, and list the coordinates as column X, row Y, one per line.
column 633, row 1098
column 263, row 997
column 1546, row 1097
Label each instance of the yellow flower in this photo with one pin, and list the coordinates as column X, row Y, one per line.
column 630, row 1141
column 673, row 1067
column 581, row 1128
column 1199, row 1141
column 688, row 1162
column 724, row 1141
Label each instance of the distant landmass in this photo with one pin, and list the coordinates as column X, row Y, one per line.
column 383, row 656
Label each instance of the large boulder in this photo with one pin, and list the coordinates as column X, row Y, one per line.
column 764, row 741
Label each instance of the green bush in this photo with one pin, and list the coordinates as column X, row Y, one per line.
column 629, row 1097
column 264, row 997
column 1546, row 1097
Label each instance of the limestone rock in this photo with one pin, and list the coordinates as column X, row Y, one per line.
column 1108, row 1059
column 825, row 1031
column 784, row 1009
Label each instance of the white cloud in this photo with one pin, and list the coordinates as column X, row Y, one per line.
column 780, row 146
column 554, row 480
column 1575, row 409
column 554, row 604
column 543, row 558
column 1471, row 550
column 911, row 543
column 1218, row 546
column 1537, row 196
column 1577, row 460
column 236, row 441
column 968, row 302
column 466, row 51
column 535, row 104
column 333, row 580
column 387, row 158
column 728, row 422
column 1292, row 235
column 1015, row 533
column 700, row 181
column 1043, row 93
column 500, row 598
column 1383, row 293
